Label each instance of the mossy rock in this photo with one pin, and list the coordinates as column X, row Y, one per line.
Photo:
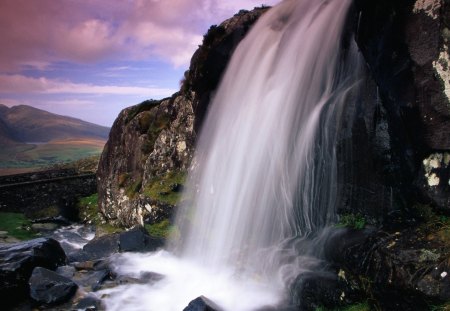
column 167, row 188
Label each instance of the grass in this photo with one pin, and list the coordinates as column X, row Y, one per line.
column 17, row 225
column 354, row 221
column 36, row 156
column 163, row 188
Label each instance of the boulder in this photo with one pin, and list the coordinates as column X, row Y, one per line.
column 50, row 288
column 89, row 303
column 202, row 304
column 314, row 290
column 17, row 262
column 138, row 240
column 102, row 247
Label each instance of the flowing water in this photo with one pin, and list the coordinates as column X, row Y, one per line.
column 263, row 187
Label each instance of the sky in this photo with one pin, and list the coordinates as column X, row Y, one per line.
column 91, row 58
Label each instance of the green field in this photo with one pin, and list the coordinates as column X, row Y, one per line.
column 30, row 157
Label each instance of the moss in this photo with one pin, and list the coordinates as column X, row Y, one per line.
column 443, row 307
column 122, row 179
column 164, row 188
column 134, row 188
column 161, row 229
column 17, row 225
column 144, row 106
column 88, row 213
column 88, row 209
column 355, row 221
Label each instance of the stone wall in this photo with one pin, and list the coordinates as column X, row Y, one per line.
column 56, row 190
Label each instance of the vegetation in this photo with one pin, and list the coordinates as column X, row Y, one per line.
column 355, row 221
column 17, row 225
column 166, row 188
column 144, row 106
column 162, row 229
column 29, row 157
column 88, row 213
column 134, row 188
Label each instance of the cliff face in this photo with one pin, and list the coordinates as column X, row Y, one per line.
column 393, row 150
column 150, row 146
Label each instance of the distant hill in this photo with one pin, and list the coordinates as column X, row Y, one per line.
column 25, row 124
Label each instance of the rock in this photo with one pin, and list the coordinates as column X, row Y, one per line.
column 138, row 240
column 143, row 278
column 50, row 288
column 313, row 290
column 89, row 303
column 66, row 271
column 156, row 138
column 3, row 234
column 202, row 304
column 102, row 247
column 44, row 227
column 17, row 262
column 92, row 280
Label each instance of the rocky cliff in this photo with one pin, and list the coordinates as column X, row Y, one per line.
column 393, row 152
column 150, row 146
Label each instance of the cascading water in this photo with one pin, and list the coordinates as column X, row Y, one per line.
column 265, row 169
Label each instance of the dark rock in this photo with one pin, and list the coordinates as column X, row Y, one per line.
column 78, row 256
column 92, row 280
column 143, row 278
column 66, row 271
column 102, row 247
column 17, row 262
column 50, row 288
column 89, row 303
column 138, row 240
column 202, row 304
column 312, row 290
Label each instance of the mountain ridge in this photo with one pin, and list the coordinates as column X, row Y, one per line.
column 23, row 124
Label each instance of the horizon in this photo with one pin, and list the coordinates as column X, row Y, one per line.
column 90, row 62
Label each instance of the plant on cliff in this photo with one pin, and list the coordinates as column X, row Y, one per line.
column 161, row 229
column 166, row 188
column 354, row 221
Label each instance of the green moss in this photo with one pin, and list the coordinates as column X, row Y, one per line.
column 161, row 229
column 122, row 179
column 163, row 188
column 355, row 221
column 17, row 225
column 443, row 307
column 144, row 106
column 88, row 209
column 104, row 229
column 134, row 188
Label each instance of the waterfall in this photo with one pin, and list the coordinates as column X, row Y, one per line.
column 265, row 168
column 263, row 186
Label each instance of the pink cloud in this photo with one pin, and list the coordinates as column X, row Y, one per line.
column 36, row 33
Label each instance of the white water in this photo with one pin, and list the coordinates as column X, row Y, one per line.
column 265, row 172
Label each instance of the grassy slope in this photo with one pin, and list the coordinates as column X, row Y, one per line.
column 29, row 157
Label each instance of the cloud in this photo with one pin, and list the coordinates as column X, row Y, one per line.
column 17, row 84
column 37, row 33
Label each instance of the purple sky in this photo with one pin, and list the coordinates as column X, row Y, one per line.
column 91, row 58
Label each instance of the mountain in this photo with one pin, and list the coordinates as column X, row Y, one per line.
column 22, row 124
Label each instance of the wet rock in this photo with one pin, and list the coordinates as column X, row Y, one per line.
column 138, row 240
column 92, row 280
column 66, row 271
column 89, row 303
column 50, row 288
column 202, row 304
column 313, row 290
column 102, row 247
column 143, row 278
column 44, row 227
column 17, row 262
